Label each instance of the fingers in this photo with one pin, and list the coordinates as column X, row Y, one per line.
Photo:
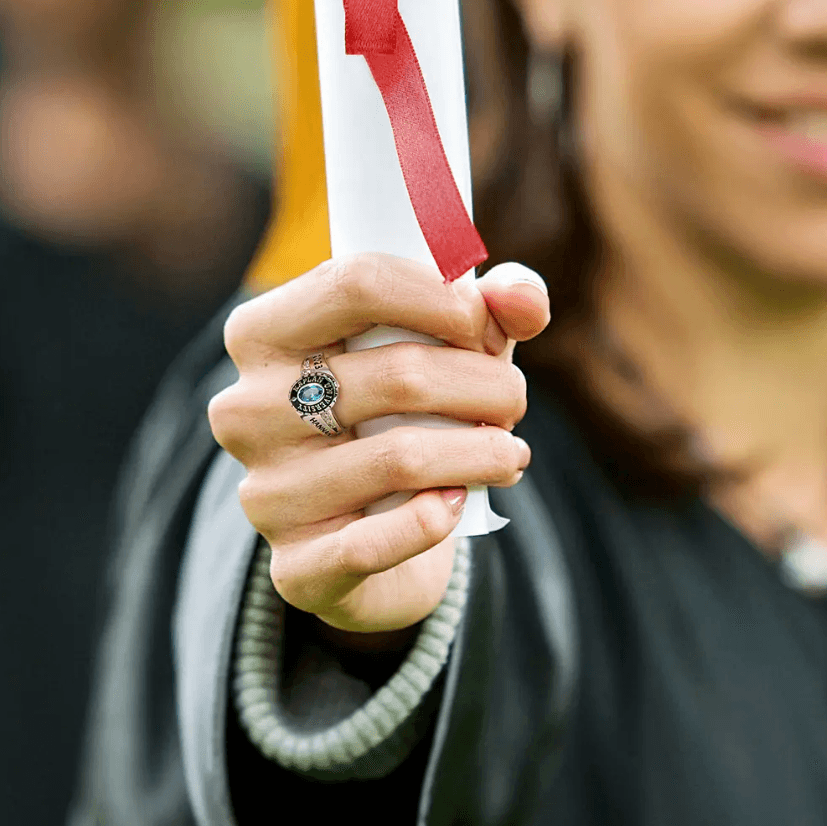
column 306, row 493
column 322, row 576
column 255, row 417
column 324, row 485
column 415, row 378
column 345, row 297
column 517, row 298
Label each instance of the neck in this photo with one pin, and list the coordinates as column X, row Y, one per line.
column 736, row 355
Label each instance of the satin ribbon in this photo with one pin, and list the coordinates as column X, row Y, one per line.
column 375, row 30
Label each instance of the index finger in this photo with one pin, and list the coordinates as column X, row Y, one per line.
column 345, row 297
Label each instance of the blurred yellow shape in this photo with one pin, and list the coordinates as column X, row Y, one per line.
column 299, row 234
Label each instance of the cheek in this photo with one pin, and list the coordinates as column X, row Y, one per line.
column 699, row 164
column 648, row 63
column 654, row 106
column 676, row 27
column 706, row 166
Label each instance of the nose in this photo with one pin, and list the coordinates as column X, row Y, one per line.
column 803, row 24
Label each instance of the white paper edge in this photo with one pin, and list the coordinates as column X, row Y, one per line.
column 346, row 82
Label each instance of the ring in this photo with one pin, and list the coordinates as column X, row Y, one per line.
column 314, row 395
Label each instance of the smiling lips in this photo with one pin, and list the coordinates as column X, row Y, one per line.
column 797, row 129
column 808, row 122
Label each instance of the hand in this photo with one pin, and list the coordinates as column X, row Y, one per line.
column 305, row 491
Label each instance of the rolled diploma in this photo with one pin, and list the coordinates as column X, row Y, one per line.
column 368, row 202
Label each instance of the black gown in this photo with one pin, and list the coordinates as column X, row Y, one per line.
column 618, row 663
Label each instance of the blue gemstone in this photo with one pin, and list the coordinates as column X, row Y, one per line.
column 311, row 393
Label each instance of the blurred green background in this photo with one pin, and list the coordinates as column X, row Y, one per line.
column 214, row 73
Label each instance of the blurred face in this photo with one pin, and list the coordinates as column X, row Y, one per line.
column 59, row 19
column 714, row 112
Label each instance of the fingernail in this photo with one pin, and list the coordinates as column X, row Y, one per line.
column 513, row 274
column 524, row 451
column 494, row 340
column 455, row 497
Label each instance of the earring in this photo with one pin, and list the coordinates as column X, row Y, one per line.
column 544, row 81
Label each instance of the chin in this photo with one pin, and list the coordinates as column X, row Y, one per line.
column 795, row 261
column 791, row 272
column 780, row 249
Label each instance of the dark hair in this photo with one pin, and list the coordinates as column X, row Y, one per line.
column 530, row 207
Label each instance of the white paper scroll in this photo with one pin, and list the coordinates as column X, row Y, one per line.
column 369, row 206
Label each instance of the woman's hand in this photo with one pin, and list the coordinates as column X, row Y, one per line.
column 305, row 492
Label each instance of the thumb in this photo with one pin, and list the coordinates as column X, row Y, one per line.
column 517, row 298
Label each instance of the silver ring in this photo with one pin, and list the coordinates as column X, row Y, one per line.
column 314, row 395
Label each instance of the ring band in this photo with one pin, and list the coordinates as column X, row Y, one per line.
column 314, row 395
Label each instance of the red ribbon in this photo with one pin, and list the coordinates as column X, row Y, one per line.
column 374, row 28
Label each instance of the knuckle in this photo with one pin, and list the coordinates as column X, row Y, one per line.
column 219, row 409
column 465, row 322
column 353, row 560
column 301, row 573
column 519, row 394
column 249, row 494
column 431, row 522
column 402, row 458
column 237, row 330
column 278, row 573
column 469, row 315
column 235, row 419
column 263, row 502
column 333, row 278
column 290, row 588
column 503, row 451
column 404, row 375
column 352, row 280
column 222, row 413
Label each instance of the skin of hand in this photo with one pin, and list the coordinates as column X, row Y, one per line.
column 305, row 492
